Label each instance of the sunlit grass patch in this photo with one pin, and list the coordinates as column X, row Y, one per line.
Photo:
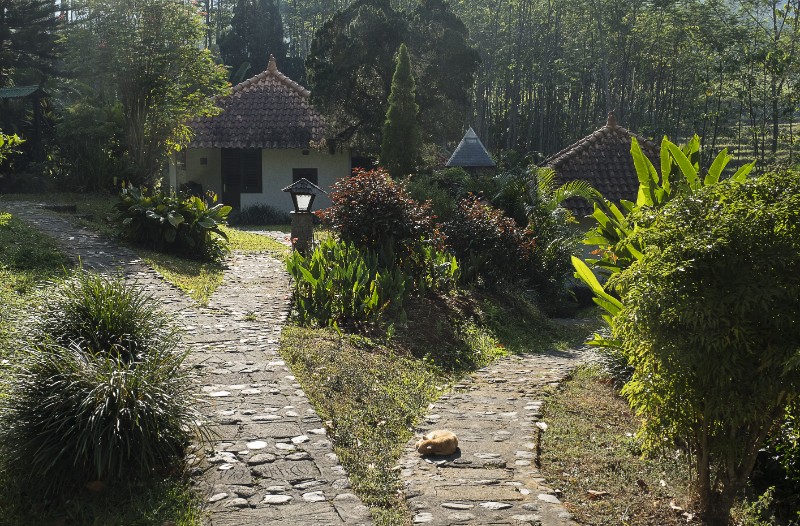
column 198, row 279
column 372, row 396
column 589, row 446
column 244, row 241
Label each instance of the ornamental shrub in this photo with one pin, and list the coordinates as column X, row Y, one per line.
column 707, row 318
column 262, row 215
column 373, row 211
column 175, row 223
column 111, row 407
column 489, row 245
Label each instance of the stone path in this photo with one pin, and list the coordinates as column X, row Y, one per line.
column 271, row 461
column 493, row 478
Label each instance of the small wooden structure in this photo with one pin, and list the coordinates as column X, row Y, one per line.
column 23, row 94
column 471, row 154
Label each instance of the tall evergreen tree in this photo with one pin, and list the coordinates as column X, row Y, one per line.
column 256, row 33
column 401, row 133
column 350, row 70
column 27, row 40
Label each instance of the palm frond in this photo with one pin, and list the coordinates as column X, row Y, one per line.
column 575, row 189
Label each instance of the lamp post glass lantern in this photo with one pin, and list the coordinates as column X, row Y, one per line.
column 303, row 193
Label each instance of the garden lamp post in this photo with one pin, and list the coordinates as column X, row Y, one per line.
column 303, row 193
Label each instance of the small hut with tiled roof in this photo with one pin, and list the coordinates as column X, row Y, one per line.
column 471, row 154
column 267, row 136
column 602, row 159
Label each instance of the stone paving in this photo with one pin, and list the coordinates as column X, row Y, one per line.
column 270, row 460
column 493, row 478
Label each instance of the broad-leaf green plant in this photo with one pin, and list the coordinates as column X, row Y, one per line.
column 8, row 145
column 184, row 224
column 679, row 174
column 341, row 285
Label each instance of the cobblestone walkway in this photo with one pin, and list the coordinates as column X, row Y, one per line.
column 271, row 461
column 493, row 478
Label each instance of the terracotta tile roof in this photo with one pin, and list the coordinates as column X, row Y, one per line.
column 603, row 159
column 266, row 111
column 471, row 153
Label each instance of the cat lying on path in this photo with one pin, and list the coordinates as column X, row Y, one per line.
column 439, row 442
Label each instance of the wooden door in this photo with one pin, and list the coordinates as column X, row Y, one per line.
column 231, row 177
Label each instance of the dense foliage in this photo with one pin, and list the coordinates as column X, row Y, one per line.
column 145, row 57
column 27, row 41
column 373, row 211
column 344, row 285
column 388, row 248
column 401, row 134
column 489, row 245
column 104, row 316
column 183, row 224
column 714, row 298
column 8, row 145
column 256, row 33
column 351, row 61
column 81, row 412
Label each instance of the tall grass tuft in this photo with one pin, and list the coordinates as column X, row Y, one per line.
column 104, row 314
column 102, row 396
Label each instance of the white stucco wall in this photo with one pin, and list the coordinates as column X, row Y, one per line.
column 276, row 168
column 207, row 172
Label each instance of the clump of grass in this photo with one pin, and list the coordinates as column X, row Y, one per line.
column 104, row 314
column 99, row 397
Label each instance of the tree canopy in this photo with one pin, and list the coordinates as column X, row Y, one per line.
column 145, row 56
column 27, row 40
column 351, row 63
column 256, row 33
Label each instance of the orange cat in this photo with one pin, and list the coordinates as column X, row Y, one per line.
column 439, row 442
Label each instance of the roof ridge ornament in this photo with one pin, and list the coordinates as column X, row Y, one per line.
column 612, row 120
column 273, row 65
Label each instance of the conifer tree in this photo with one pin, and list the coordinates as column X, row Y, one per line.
column 256, row 33
column 27, row 40
column 401, row 133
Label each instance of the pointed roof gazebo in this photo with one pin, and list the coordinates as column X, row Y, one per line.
column 269, row 110
column 35, row 94
column 602, row 159
column 471, row 153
